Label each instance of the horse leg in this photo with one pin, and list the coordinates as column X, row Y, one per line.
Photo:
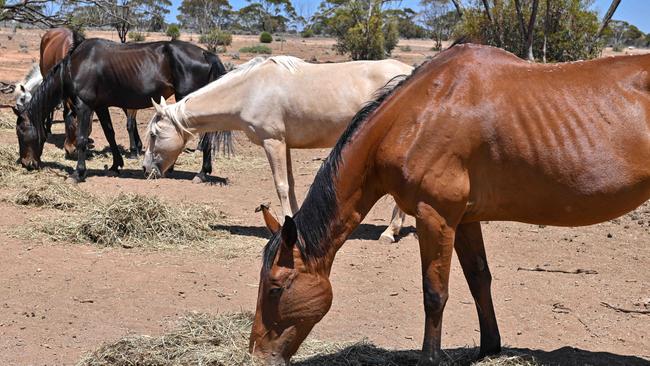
column 393, row 229
column 83, row 120
column 105, row 120
column 134, row 137
column 48, row 123
column 471, row 254
column 436, row 246
column 205, row 145
column 276, row 152
column 292, row 184
column 70, row 123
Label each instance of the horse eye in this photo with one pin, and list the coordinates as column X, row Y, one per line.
column 275, row 291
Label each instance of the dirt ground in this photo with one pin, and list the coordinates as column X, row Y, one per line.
column 61, row 300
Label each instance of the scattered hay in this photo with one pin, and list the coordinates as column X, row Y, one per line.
column 132, row 220
column 8, row 158
column 52, row 194
column 7, row 120
column 201, row 339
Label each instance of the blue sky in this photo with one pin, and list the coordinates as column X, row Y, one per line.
column 636, row 12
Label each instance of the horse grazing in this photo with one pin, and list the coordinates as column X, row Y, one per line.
column 474, row 134
column 99, row 74
column 280, row 103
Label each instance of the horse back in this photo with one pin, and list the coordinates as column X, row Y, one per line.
column 55, row 45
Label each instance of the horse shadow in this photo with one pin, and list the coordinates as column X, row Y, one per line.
column 367, row 354
column 363, row 231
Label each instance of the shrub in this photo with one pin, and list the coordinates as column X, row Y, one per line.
column 137, row 36
column 307, row 33
column 266, row 37
column 216, row 38
column 405, row 48
column 257, row 49
column 173, row 32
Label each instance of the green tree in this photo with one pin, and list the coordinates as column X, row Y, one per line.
column 204, row 15
column 439, row 19
column 361, row 27
column 173, row 32
column 267, row 15
column 553, row 30
column 406, row 23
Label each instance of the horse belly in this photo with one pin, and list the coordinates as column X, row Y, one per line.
column 598, row 189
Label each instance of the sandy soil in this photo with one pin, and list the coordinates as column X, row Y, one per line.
column 58, row 300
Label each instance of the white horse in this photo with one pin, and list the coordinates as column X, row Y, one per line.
column 24, row 89
column 280, row 103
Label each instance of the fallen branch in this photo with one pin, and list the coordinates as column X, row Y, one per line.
column 623, row 310
column 577, row 271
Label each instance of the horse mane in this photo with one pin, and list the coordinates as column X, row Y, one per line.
column 49, row 93
column 33, row 73
column 320, row 206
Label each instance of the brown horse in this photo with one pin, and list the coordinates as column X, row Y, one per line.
column 474, row 134
column 55, row 45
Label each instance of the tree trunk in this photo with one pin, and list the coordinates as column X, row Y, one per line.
column 459, row 8
column 546, row 25
column 607, row 18
column 486, row 4
column 527, row 31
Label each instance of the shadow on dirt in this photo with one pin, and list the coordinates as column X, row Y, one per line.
column 369, row 355
column 364, row 231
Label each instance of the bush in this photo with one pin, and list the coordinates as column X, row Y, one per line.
column 266, row 37
column 216, row 38
column 173, row 32
column 405, row 48
column 307, row 33
column 137, row 36
column 257, row 49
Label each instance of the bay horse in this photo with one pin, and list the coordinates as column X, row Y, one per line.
column 474, row 134
column 281, row 103
column 99, row 74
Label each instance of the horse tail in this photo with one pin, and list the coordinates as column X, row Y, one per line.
column 219, row 141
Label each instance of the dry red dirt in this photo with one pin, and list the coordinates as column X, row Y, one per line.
column 59, row 301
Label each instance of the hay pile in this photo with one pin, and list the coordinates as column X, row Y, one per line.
column 222, row 340
column 52, row 193
column 132, row 220
column 8, row 158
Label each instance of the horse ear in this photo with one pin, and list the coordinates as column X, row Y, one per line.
column 289, row 232
column 159, row 109
column 271, row 223
column 163, row 102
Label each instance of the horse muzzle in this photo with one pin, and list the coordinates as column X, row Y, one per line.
column 30, row 164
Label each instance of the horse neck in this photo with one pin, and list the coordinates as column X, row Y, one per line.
column 342, row 195
column 213, row 108
column 47, row 96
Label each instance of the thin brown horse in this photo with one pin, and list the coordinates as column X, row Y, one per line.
column 475, row 134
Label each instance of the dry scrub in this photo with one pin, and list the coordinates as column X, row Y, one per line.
column 201, row 339
column 7, row 120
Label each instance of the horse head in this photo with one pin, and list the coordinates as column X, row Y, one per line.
column 30, row 140
column 293, row 296
column 166, row 141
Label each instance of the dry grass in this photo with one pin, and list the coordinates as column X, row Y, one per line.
column 201, row 339
column 7, row 120
column 52, row 193
column 132, row 220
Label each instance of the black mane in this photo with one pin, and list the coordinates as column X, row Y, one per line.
column 320, row 207
column 49, row 93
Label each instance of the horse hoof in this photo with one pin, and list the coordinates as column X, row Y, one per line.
column 133, row 155
column 112, row 173
column 73, row 179
column 199, row 178
column 385, row 239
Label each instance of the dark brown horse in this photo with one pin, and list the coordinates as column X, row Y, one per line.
column 98, row 74
column 475, row 134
